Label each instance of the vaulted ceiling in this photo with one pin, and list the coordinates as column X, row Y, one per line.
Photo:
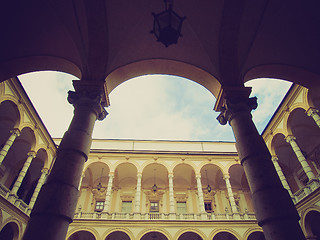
column 224, row 42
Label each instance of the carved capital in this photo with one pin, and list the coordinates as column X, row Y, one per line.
column 290, row 138
column 32, row 154
column 226, row 176
column 274, row 158
column 312, row 111
column 15, row 131
column 233, row 106
column 91, row 99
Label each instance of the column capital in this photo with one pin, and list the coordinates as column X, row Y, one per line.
column 32, row 154
column 274, row 158
column 311, row 111
column 139, row 175
column 198, row 176
column 15, row 131
column 89, row 93
column 290, row 138
column 170, row 175
column 44, row 170
column 232, row 101
column 226, row 176
column 111, row 174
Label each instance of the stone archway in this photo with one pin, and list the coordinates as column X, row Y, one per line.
column 256, row 236
column 118, row 235
column 154, row 236
column 82, row 235
column 190, row 235
column 10, row 231
column 312, row 221
column 224, row 236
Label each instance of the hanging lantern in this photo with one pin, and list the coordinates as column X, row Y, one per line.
column 99, row 186
column 167, row 25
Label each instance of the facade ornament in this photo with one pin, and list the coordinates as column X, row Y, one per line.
column 92, row 99
column 234, row 106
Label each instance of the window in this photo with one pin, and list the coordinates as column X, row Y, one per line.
column 154, row 206
column 208, row 206
column 99, row 206
column 181, row 207
column 126, row 206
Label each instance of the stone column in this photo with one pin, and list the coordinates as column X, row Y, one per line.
column 281, row 175
column 275, row 211
column 23, row 172
column 312, row 112
column 3, row 153
column 57, row 200
column 234, row 209
column 200, row 194
column 305, row 166
column 35, row 194
column 171, row 194
column 138, row 194
column 108, row 193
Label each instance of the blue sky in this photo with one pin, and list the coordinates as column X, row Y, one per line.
column 152, row 107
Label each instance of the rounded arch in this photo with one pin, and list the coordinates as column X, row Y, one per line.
column 19, row 66
column 289, row 73
column 117, row 235
column 83, row 234
column 148, row 163
column 212, row 175
column 196, row 234
column 257, row 235
column 96, row 172
column 225, row 234
column 147, row 234
column 310, row 220
column 155, row 173
column 125, row 175
column 117, row 229
column 11, row 229
column 250, row 231
column 184, row 176
column 163, row 66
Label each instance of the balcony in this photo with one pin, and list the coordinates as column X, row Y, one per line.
column 165, row 216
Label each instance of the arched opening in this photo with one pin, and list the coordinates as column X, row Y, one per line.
column 224, row 236
column 117, row 235
column 154, row 236
column 82, row 235
column 240, row 189
column 10, row 231
column 256, row 236
column 190, row 235
column 312, row 221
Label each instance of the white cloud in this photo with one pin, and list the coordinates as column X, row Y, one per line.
column 157, row 107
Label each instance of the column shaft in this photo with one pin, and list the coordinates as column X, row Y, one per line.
column 305, row 166
column 171, row 194
column 200, row 194
column 108, row 193
column 230, row 194
column 138, row 194
column 22, row 174
column 57, row 200
column 35, row 194
column 3, row 153
column 314, row 114
column 281, row 175
column 274, row 209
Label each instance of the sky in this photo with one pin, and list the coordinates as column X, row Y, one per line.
column 150, row 107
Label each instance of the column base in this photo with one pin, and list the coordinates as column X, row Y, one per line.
column 236, row 216
column 172, row 216
column 12, row 198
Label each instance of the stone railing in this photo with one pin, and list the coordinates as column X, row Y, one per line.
column 311, row 186
column 165, row 216
column 14, row 200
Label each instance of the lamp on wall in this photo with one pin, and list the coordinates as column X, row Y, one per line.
column 208, row 187
column 167, row 25
column 154, row 187
column 99, row 186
